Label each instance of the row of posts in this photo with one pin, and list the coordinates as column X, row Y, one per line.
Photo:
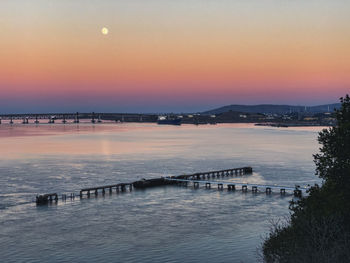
column 232, row 187
column 95, row 191
column 218, row 174
column 44, row 199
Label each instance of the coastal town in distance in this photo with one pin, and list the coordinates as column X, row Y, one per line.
column 265, row 115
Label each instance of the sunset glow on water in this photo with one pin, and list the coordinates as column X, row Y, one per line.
column 154, row 224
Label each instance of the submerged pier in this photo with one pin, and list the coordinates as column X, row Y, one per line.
column 195, row 180
column 196, row 176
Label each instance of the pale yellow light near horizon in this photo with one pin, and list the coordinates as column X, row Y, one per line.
column 104, row 31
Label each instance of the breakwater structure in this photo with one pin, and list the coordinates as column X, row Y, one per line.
column 181, row 180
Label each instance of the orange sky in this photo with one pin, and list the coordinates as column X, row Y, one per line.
column 201, row 53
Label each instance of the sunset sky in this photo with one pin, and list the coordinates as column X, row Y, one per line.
column 166, row 55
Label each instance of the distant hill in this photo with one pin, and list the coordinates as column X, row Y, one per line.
column 273, row 109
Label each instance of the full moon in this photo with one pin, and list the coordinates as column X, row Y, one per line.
column 104, row 30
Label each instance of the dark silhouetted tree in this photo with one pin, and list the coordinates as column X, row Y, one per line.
column 319, row 227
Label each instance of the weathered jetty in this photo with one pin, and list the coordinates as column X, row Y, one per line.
column 196, row 176
column 185, row 179
column 142, row 184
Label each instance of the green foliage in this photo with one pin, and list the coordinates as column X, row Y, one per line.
column 319, row 227
column 333, row 161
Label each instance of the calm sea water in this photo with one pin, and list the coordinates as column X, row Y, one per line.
column 165, row 224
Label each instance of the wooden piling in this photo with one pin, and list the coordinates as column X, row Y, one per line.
column 231, row 187
column 248, row 170
column 46, row 198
